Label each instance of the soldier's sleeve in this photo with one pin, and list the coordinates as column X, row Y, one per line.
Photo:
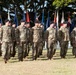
column 17, row 34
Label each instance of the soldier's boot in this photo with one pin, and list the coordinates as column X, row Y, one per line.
column 20, row 57
column 5, row 60
column 63, row 55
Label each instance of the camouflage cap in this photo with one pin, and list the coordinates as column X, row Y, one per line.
column 65, row 22
column 51, row 22
column 37, row 21
column 22, row 20
column 7, row 20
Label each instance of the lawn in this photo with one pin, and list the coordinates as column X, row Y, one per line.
column 41, row 66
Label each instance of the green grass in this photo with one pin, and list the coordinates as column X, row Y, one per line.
column 41, row 66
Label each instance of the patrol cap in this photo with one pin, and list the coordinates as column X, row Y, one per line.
column 51, row 22
column 37, row 21
column 65, row 22
column 7, row 20
column 22, row 20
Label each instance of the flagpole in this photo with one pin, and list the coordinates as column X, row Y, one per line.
column 57, row 19
column 9, row 14
column 62, row 20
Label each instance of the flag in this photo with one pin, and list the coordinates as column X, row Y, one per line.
column 48, row 21
column 9, row 15
column 24, row 16
column 27, row 17
column 62, row 19
column 16, row 19
column 55, row 20
column 0, row 18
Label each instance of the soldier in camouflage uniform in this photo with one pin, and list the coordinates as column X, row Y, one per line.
column 36, row 30
column 21, row 38
column 29, row 41
column 73, row 40
column 0, row 40
column 63, row 37
column 13, row 52
column 42, row 41
column 50, row 37
column 7, row 37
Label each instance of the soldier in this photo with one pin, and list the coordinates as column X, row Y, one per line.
column 13, row 52
column 42, row 37
column 21, row 38
column 29, row 41
column 63, row 37
column 50, row 39
column 73, row 40
column 7, row 37
column 36, row 39
column 0, row 41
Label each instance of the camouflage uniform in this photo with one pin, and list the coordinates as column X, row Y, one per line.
column 63, row 37
column 73, row 41
column 51, row 40
column 29, row 39
column 42, row 40
column 13, row 50
column 36, row 41
column 21, row 38
column 7, row 36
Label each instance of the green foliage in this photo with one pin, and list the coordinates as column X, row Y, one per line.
column 62, row 3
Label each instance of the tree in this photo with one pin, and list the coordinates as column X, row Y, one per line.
column 62, row 3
